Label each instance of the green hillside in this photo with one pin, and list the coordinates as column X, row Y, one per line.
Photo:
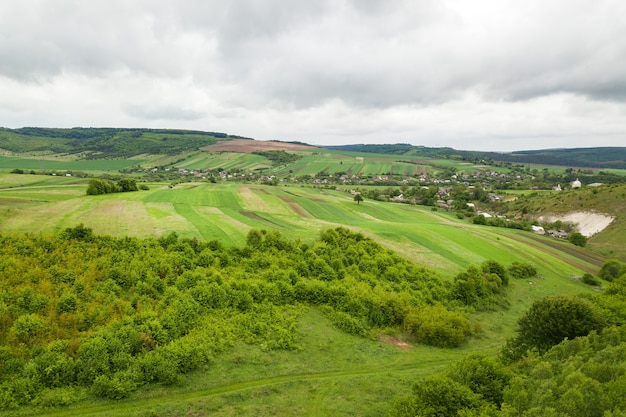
column 598, row 157
column 105, row 143
column 608, row 200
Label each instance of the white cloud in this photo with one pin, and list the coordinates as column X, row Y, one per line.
column 486, row 74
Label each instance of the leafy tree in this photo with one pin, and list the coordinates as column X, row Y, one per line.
column 438, row 397
column 577, row 239
column 612, row 269
column 79, row 232
column 97, row 186
column 436, row 326
column 358, row 198
column 493, row 267
column 520, row 270
column 127, row 184
column 479, row 219
column 549, row 321
column 67, row 303
column 28, row 327
column 483, row 375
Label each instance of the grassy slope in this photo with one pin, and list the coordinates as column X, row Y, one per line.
column 228, row 211
column 607, row 199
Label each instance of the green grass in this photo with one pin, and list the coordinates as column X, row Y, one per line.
column 229, row 161
column 64, row 165
column 228, row 211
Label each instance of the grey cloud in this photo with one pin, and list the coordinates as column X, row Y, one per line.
column 42, row 39
column 368, row 53
column 165, row 112
column 244, row 60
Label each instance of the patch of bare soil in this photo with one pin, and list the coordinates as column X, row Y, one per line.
column 295, row 207
column 588, row 224
column 249, row 146
column 392, row 340
column 252, row 215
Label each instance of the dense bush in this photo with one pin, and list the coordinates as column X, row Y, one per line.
column 577, row 239
column 520, row 270
column 436, row 326
column 612, row 269
column 590, row 280
column 482, row 287
column 100, row 186
column 583, row 377
column 108, row 315
column 551, row 320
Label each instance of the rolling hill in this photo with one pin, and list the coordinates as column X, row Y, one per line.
column 246, row 283
column 592, row 157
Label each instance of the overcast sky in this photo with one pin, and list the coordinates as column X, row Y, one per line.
column 495, row 75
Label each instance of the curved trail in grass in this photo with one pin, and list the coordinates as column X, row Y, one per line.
column 136, row 405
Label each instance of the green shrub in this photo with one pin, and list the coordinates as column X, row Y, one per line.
column 551, row 320
column 577, row 239
column 590, row 280
column 29, row 326
column 612, row 269
column 115, row 387
column 344, row 321
column 436, row 326
column 59, row 397
column 521, row 270
column 438, row 396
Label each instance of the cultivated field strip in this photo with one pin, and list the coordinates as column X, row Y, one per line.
column 227, row 212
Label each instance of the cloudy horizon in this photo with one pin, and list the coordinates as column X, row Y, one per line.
column 475, row 75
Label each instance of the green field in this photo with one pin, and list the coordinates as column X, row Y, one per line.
column 227, row 212
column 48, row 164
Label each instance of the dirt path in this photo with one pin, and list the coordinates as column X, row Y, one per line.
column 135, row 406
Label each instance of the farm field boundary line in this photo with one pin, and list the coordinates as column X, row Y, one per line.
column 558, row 249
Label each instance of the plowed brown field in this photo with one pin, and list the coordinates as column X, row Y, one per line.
column 247, row 146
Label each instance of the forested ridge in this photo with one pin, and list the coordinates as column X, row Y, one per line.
column 82, row 314
column 105, row 143
column 596, row 157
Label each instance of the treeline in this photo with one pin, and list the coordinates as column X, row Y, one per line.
column 567, row 359
column 99, row 186
column 107, row 143
column 279, row 157
column 82, row 314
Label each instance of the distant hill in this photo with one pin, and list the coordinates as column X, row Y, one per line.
column 120, row 143
column 598, row 157
column 104, row 143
